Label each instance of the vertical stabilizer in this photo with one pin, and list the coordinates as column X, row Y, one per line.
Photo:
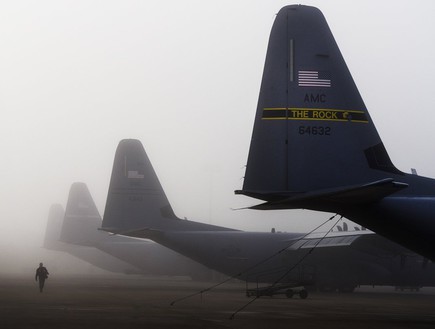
column 54, row 224
column 82, row 219
column 136, row 199
column 312, row 130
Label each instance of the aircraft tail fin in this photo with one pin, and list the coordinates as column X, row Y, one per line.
column 136, row 200
column 53, row 228
column 312, row 131
column 82, row 219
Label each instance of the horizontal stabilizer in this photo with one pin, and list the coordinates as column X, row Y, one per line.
column 143, row 233
column 357, row 194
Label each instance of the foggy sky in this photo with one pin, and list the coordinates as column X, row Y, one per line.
column 183, row 77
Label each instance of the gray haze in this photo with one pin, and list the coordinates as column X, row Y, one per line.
column 76, row 77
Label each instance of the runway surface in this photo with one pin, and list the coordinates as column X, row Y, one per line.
column 137, row 302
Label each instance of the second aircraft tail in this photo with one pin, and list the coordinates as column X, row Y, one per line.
column 136, row 200
column 82, row 219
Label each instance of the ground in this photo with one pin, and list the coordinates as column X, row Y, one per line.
column 133, row 301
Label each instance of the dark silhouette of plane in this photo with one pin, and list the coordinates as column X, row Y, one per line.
column 77, row 233
column 315, row 146
column 137, row 206
column 86, row 253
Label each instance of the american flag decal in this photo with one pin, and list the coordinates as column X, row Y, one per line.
column 314, row 79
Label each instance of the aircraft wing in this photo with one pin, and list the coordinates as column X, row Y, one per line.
column 364, row 241
column 338, row 241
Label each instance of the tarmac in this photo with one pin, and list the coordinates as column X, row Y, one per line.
column 137, row 302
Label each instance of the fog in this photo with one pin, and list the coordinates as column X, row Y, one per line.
column 183, row 77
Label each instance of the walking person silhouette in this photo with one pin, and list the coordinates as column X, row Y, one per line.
column 41, row 275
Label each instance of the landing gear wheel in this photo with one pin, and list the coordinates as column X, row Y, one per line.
column 303, row 294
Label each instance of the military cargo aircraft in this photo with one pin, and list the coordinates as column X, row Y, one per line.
column 88, row 254
column 137, row 206
column 315, row 146
column 77, row 233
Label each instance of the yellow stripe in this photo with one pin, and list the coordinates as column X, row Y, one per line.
column 302, row 114
column 308, row 109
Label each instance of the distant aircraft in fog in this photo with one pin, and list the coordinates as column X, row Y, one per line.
column 88, row 254
column 314, row 144
column 79, row 236
column 137, row 206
